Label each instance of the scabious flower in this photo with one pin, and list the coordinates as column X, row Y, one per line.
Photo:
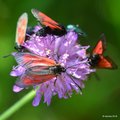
column 65, row 51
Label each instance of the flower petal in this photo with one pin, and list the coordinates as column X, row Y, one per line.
column 17, row 89
column 37, row 98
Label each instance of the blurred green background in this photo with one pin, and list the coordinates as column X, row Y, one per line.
column 100, row 97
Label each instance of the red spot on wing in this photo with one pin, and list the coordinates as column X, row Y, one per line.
column 105, row 62
column 52, row 26
column 98, row 48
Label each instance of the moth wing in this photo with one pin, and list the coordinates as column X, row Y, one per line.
column 45, row 20
column 32, row 79
column 100, row 46
column 21, row 29
column 29, row 60
column 106, row 62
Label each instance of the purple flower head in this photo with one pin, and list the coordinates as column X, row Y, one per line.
column 66, row 52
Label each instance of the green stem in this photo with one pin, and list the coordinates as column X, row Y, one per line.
column 17, row 105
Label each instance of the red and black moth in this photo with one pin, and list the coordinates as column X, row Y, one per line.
column 97, row 58
column 38, row 69
column 50, row 26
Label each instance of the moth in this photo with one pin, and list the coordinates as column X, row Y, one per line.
column 21, row 31
column 38, row 69
column 49, row 26
column 97, row 58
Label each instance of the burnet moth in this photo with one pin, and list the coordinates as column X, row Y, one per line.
column 49, row 26
column 38, row 69
column 21, row 31
column 97, row 58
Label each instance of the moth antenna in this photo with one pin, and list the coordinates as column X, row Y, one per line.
column 6, row 56
column 39, row 24
column 96, row 76
column 74, row 65
column 28, row 35
column 75, row 82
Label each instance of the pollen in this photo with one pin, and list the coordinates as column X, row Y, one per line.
column 48, row 51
